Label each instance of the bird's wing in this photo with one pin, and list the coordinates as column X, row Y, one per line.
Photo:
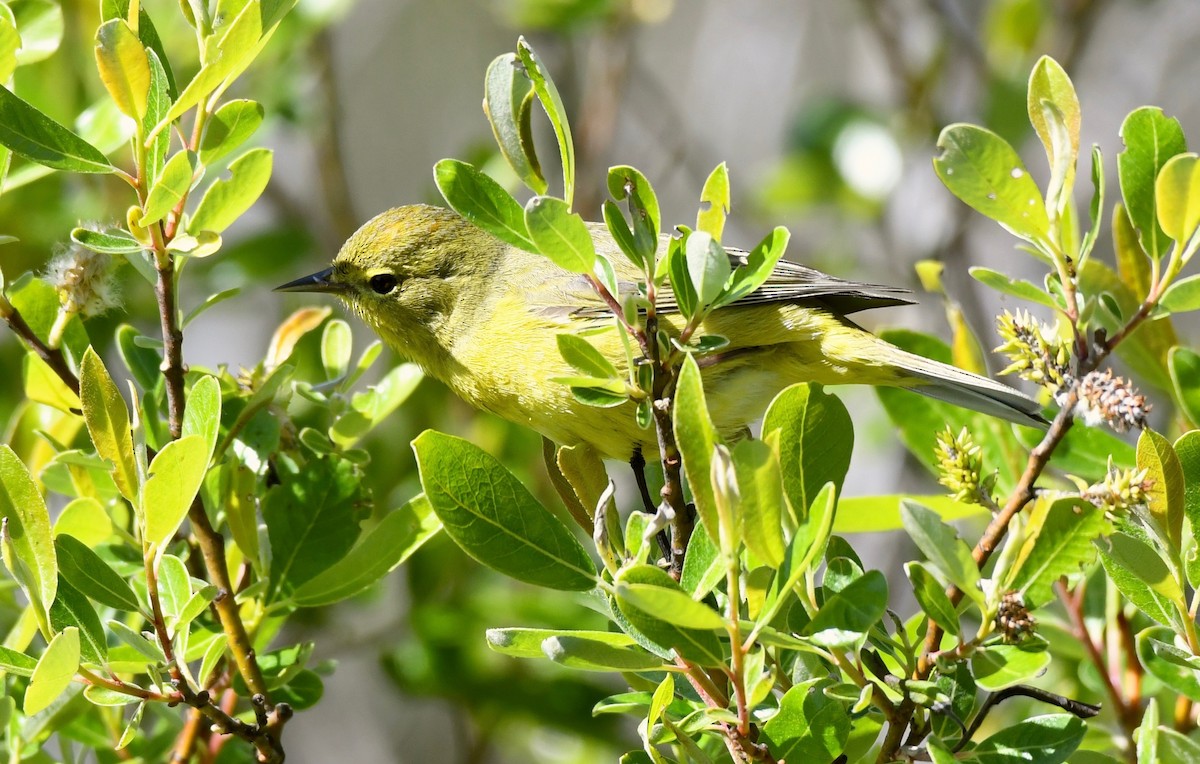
column 788, row 282
column 792, row 282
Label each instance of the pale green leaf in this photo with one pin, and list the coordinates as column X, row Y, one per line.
column 227, row 198
column 27, row 528
column 559, row 234
column 170, row 188
column 983, row 170
column 175, row 477
column 55, row 670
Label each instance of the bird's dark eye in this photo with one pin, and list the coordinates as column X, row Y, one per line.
column 383, row 283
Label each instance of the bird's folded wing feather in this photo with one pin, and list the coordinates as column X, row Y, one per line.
column 788, row 282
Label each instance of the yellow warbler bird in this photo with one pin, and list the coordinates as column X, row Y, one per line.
column 482, row 316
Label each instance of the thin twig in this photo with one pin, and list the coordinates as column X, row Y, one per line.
column 53, row 357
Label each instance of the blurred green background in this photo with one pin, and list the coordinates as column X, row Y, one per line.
column 826, row 112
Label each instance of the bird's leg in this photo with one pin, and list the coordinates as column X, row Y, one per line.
column 638, row 463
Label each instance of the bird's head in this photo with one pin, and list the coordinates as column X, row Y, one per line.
column 405, row 271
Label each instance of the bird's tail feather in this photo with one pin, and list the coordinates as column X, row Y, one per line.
column 962, row 388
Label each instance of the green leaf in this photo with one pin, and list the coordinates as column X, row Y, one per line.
column 1176, row 748
column 1141, row 575
column 583, row 650
column 1015, row 287
column 507, row 101
column 43, row 385
column 312, row 519
column 1183, row 295
column 170, row 188
column 83, row 519
column 646, row 591
column 1096, row 210
column 983, row 170
column 560, row 234
column 585, row 358
column 809, row 726
column 71, row 609
column 196, row 604
column 1055, row 115
column 940, row 543
column 158, row 101
column 131, row 728
column 1048, row 739
column 865, row 514
column 17, row 663
column 227, row 198
column 998, row 666
column 336, row 345
column 10, row 43
column 803, row 553
column 54, row 672
column 628, row 184
column 84, row 570
column 1147, row 733
column 816, row 438
column 380, row 551
column 102, row 696
column 697, row 439
column 114, row 241
column 1151, row 138
column 931, row 596
column 848, row 615
column 1188, row 450
column 1057, row 542
column 1166, row 662
column 33, row 135
column 40, row 23
column 521, row 642
column 1133, row 264
column 229, row 127
column 107, row 420
column 483, row 202
column 1165, row 494
column 202, row 416
column 26, row 524
column 703, row 567
column 590, row 654
column 715, row 195
column 148, row 648
column 235, row 44
column 760, row 263
column 761, row 509
column 495, row 519
column 697, row 645
column 1177, row 194
column 213, row 653
column 707, row 265
column 174, row 585
column 552, row 103
column 124, row 67
column 175, row 477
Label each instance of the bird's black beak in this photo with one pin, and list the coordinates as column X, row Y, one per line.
column 321, row 281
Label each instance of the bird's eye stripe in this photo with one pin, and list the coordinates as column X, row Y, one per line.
column 383, row 283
